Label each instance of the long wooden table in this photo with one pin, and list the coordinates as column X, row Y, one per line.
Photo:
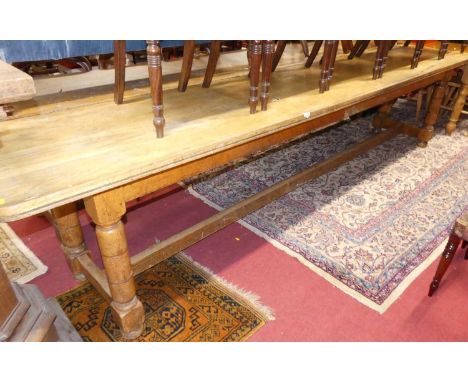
column 82, row 146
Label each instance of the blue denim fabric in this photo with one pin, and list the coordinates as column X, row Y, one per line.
column 37, row 50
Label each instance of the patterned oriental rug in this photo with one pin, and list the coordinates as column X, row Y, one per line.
column 20, row 264
column 371, row 226
column 183, row 302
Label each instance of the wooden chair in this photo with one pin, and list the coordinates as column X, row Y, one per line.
column 259, row 52
column 187, row 60
column 260, row 55
column 458, row 235
column 327, row 62
column 419, row 46
column 279, row 50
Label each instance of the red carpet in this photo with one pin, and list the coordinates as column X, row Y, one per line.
column 307, row 308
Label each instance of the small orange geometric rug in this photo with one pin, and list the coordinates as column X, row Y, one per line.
column 183, row 302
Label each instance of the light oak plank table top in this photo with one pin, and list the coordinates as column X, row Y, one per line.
column 53, row 154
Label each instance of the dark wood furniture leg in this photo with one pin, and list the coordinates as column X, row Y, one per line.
column 417, row 54
column 280, row 45
column 459, row 104
column 155, row 78
column 334, row 52
column 443, row 49
column 255, row 47
column 119, row 67
column 425, row 134
column 268, row 48
column 358, row 49
column 445, row 260
column 68, row 230
column 215, row 51
column 305, row 48
column 106, row 210
column 388, row 46
column 378, row 59
column 347, row 46
column 327, row 51
column 187, row 60
column 313, row 53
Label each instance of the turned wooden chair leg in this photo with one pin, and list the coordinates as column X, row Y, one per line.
column 68, row 230
column 106, row 210
column 334, row 52
column 326, row 59
column 378, row 59
column 445, row 261
column 459, row 104
column 280, row 45
column 354, row 49
column 187, row 60
column 305, row 48
column 417, row 54
column 407, row 42
column 155, row 78
column 313, row 53
column 425, row 134
column 119, row 68
column 346, row 46
column 215, row 51
column 386, row 49
column 268, row 47
column 363, row 48
column 255, row 48
column 443, row 49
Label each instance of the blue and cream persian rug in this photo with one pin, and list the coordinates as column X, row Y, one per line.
column 371, row 226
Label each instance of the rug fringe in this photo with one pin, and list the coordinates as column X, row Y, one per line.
column 40, row 267
column 244, row 296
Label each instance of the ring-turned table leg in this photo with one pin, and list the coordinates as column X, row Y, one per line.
column 255, row 49
column 106, row 210
column 155, row 78
column 425, row 134
column 268, row 48
column 459, row 104
column 68, row 230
